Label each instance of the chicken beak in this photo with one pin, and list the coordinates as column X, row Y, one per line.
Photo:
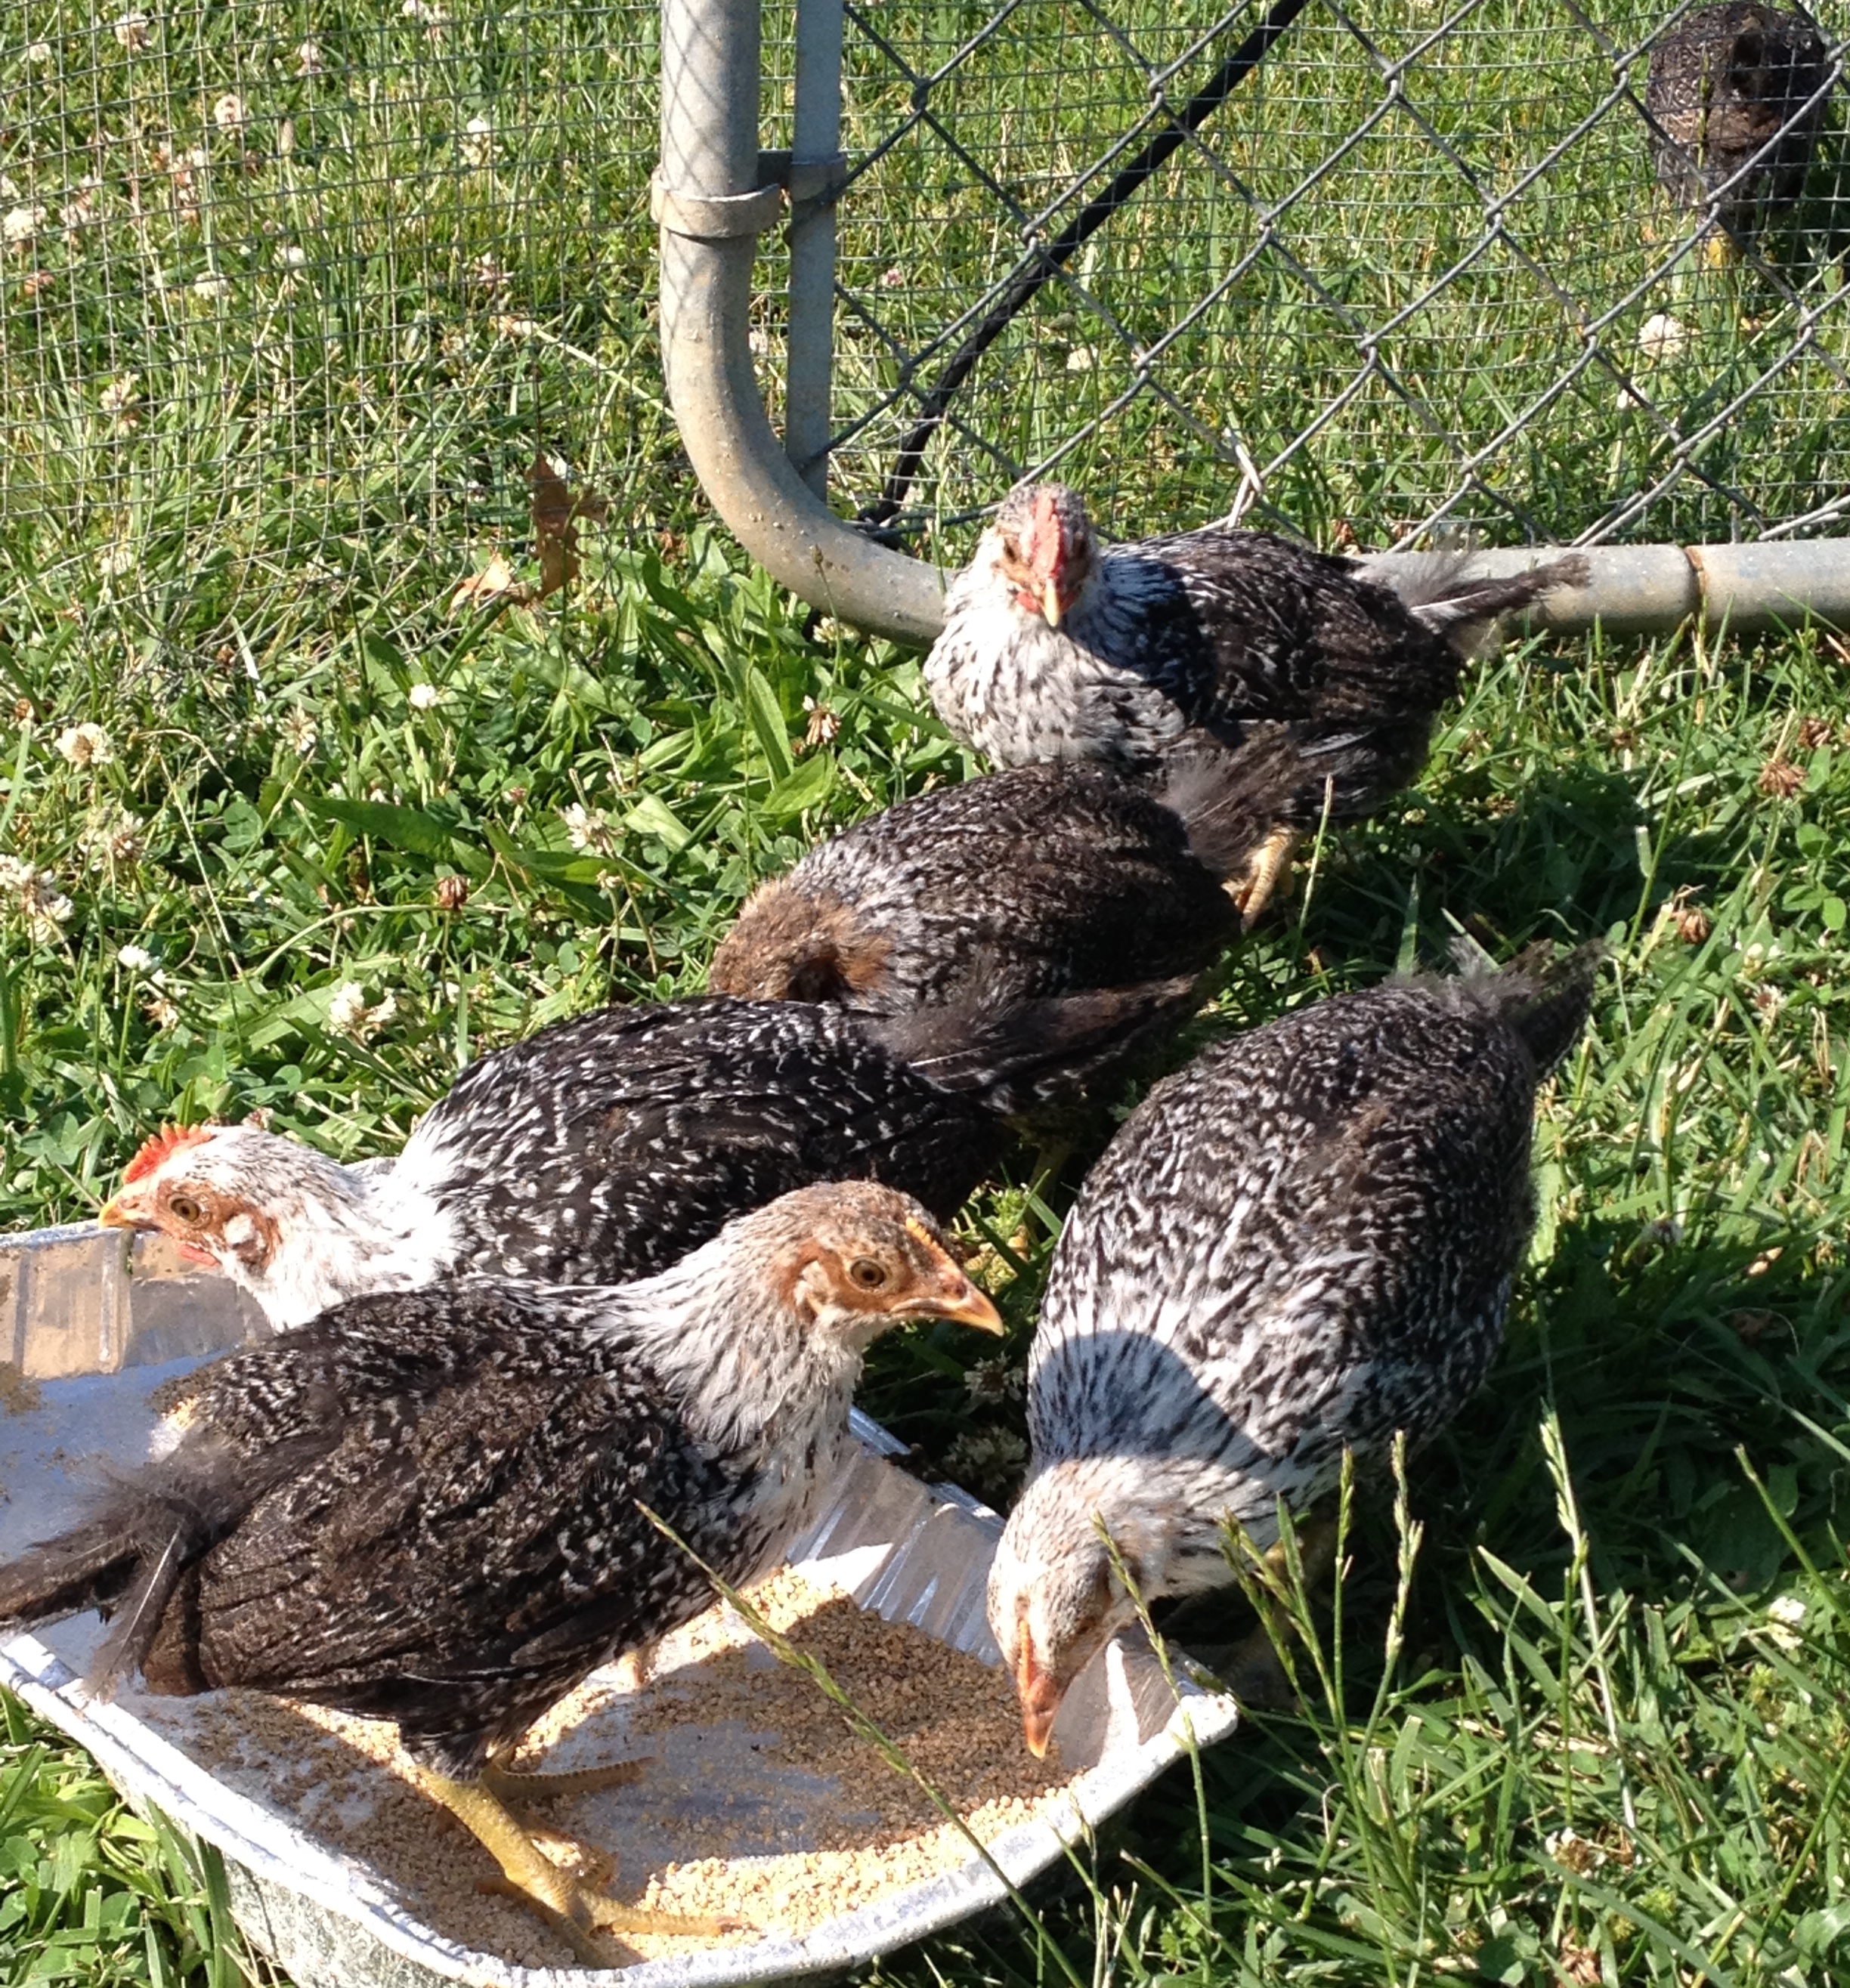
column 1050, row 603
column 953, row 1296
column 113, row 1214
column 969, row 1307
column 1040, row 1698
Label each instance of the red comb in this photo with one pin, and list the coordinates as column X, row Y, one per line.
column 154, row 1151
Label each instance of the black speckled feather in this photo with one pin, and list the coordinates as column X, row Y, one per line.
column 1303, row 1241
column 1039, row 881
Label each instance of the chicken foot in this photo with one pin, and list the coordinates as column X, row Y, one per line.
column 1252, row 889
column 511, row 1784
column 575, row 1912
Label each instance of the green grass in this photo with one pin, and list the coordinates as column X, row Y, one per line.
column 1680, row 1335
column 240, row 567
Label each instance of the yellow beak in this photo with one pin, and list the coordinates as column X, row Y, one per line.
column 1050, row 604
column 112, row 1216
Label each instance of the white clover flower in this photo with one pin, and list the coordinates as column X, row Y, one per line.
column 991, row 1460
column 1789, row 1609
column 20, row 223
column 119, row 396
column 135, row 958
column 293, row 256
column 1081, row 359
column 1662, row 336
column 38, row 52
column 211, row 286
column 489, row 273
column 298, row 732
column 425, row 696
column 350, row 1012
column 894, row 279
column 131, row 30
column 86, row 745
column 308, row 59
column 14, row 876
column 113, row 561
column 229, row 113
column 161, row 1011
column 589, row 829
column 478, row 141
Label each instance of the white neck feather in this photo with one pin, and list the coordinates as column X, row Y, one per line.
column 348, row 1234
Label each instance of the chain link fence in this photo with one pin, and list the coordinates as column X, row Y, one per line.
column 301, row 303
column 1399, row 269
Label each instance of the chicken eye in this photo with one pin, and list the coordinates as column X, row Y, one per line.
column 183, row 1207
column 868, row 1274
column 1010, row 550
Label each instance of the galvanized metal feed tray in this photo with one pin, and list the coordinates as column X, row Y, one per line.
column 92, row 1322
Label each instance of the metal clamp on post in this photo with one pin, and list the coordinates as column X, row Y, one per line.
column 811, row 183
column 717, row 217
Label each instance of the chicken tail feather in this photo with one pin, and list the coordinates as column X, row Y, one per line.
column 1462, row 610
column 1545, row 998
column 1228, row 801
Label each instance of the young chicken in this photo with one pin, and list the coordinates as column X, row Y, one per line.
column 1056, row 647
column 1300, row 1244
column 433, row 1507
column 1736, row 96
column 1039, row 881
column 604, row 1148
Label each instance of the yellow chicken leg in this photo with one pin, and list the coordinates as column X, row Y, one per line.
column 1252, row 889
column 575, row 1912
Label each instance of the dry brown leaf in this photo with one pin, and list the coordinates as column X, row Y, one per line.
column 496, row 581
column 556, row 512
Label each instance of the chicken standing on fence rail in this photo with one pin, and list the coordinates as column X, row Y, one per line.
column 1039, row 881
column 1736, row 96
column 1056, row 647
column 605, row 1148
column 1298, row 1245
column 429, row 1507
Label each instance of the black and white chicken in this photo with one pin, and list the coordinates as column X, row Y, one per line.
column 1037, row 881
column 433, row 1507
column 1301, row 1243
column 604, row 1148
column 1057, row 647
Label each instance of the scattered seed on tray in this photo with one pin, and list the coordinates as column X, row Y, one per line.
column 759, row 1801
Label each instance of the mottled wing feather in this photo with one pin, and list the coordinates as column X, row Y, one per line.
column 1303, row 1240
column 608, row 1146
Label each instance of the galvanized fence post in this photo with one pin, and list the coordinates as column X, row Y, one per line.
column 712, row 199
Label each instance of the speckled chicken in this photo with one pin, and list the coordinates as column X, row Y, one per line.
column 428, row 1507
column 1056, row 646
column 1736, row 96
column 1300, row 1244
column 604, row 1148
column 1039, row 881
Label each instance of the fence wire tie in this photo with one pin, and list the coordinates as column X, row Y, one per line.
column 810, row 184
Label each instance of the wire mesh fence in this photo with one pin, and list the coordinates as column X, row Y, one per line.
column 300, row 302
column 1408, row 268
column 295, row 295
